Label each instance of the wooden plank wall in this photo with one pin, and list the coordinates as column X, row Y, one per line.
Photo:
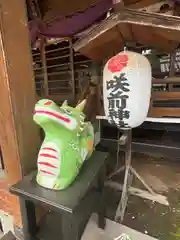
column 19, row 137
column 171, row 95
column 60, row 73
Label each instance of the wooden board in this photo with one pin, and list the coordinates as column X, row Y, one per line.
column 19, row 136
column 164, row 111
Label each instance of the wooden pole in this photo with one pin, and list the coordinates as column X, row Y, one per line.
column 72, row 69
column 44, row 65
column 19, row 137
column 172, row 69
column 96, row 81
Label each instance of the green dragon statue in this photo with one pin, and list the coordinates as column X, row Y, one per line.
column 69, row 141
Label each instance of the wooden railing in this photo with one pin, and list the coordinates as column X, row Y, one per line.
column 166, row 103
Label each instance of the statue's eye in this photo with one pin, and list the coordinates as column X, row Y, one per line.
column 68, row 111
column 48, row 103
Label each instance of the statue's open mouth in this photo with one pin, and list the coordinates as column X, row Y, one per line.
column 52, row 114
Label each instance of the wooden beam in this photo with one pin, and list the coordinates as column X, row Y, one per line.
column 163, row 112
column 89, row 44
column 141, row 4
column 165, row 95
column 149, row 19
column 19, row 136
column 147, row 35
column 166, row 80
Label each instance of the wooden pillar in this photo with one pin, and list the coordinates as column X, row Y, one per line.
column 19, row 137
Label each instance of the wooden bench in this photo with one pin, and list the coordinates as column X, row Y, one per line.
column 165, row 104
column 74, row 205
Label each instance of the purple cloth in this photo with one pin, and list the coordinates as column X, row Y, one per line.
column 69, row 25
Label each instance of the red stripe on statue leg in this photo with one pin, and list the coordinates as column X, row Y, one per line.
column 46, row 172
column 47, row 155
column 47, row 164
column 50, row 149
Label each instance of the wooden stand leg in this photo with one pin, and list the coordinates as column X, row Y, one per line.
column 130, row 172
column 102, row 204
column 28, row 219
column 69, row 228
column 127, row 177
column 142, row 180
